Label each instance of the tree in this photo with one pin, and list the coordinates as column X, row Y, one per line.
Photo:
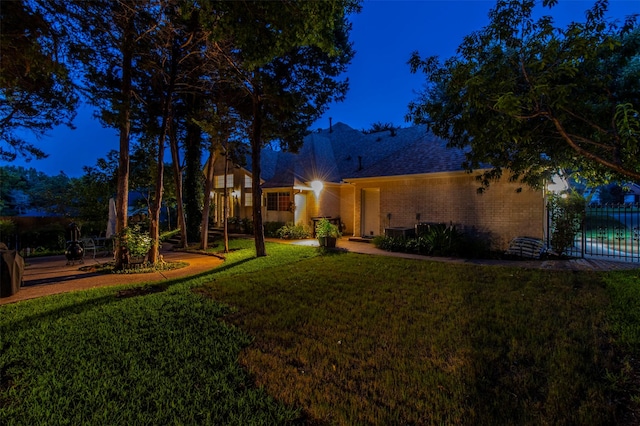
column 13, row 180
column 286, row 67
column 193, row 188
column 51, row 193
column 526, row 96
column 36, row 90
column 109, row 39
column 226, row 144
column 89, row 195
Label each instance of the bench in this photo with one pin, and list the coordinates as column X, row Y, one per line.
column 526, row 247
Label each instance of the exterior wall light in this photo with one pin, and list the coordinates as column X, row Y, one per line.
column 317, row 187
column 235, row 194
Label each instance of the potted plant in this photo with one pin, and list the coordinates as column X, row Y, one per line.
column 327, row 233
column 135, row 244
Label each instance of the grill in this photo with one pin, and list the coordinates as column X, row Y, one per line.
column 74, row 252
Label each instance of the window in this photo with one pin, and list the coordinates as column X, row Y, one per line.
column 220, row 181
column 248, row 199
column 278, row 201
column 247, row 181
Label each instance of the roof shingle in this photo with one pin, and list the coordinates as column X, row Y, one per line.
column 344, row 153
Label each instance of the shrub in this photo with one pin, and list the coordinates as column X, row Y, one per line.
column 391, row 243
column 7, row 231
column 293, row 232
column 443, row 240
column 475, row 245
column 271, row 229
column 50, row 237
column 136, row 242
column 438, row 240
column 567, row 213
column 247, row 225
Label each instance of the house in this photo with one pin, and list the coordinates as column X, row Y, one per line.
column 380, row 181
column 632, row 193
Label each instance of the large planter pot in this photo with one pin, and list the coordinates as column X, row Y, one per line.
column 329, row 242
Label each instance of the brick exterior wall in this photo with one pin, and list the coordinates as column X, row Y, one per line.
column 347, row 208
column 500, row 212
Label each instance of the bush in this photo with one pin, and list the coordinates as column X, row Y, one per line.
column 443, row 240
column 476, row 245
column 271, row 229
column 7, row 231
column 438, row 240
column 51, row 237
column 293, row 232
column 137, row 242
column 567, row 214
column 246, row 225
column 391, row 243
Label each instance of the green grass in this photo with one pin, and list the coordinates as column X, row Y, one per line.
column 336, row 339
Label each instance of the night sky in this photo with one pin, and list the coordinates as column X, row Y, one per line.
column 384, row 35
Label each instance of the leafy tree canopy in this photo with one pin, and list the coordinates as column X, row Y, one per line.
column 36, row 91
column 22, row 188
column 535, row 99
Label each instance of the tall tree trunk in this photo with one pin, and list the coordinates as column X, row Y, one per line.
column 256, row 147
column 154, row 223
column 208, row 188
column 193, row 173
column 122, row 196
column 154, row 226
column 177, row 175
column 225, row 200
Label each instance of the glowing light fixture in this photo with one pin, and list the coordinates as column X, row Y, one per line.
column 235, row 194
column 317, row 187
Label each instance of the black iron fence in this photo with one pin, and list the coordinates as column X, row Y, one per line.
column 611, row 231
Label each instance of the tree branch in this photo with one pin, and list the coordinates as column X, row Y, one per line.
column 590, row 155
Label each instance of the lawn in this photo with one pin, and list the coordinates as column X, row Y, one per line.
column 298, row 338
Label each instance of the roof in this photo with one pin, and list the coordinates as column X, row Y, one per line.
column 343, row 153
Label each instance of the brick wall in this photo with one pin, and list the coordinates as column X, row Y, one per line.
column 347, row 208
column 500, row 212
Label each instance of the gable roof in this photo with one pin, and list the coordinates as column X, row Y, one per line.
column 343, row 153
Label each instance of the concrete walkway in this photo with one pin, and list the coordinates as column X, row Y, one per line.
column 51, row 275
column 572, row 264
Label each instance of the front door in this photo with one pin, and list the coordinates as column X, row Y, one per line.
column 370, row 212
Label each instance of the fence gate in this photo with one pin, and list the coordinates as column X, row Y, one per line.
column 611, row 231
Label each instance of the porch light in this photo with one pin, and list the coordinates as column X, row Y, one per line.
column 317, row 187
column 235, row 194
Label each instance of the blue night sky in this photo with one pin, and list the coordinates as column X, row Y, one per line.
column 384, row 35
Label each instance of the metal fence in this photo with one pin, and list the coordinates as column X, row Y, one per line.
column 610, row 231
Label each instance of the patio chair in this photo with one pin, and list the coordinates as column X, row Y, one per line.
column 89, row 246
